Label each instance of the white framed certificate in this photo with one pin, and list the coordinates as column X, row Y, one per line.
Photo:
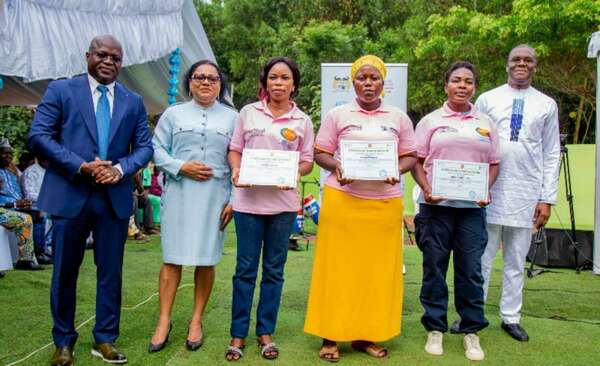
column 262, row 167
column 369, row 160
column 460, row 180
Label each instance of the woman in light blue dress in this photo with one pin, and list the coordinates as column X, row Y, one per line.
column 190, row 147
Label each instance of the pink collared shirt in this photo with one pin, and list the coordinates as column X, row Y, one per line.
column 258, row 129
column 449, row 135
column 351, row 122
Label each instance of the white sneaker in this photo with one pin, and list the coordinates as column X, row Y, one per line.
column 473, row 350
column 434, row 343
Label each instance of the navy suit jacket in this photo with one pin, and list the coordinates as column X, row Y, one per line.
column 64, row 131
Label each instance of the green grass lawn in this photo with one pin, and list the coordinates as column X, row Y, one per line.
column 561, row 313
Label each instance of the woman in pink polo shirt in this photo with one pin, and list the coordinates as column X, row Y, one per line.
column 357, row 285
column 263, row 215
column 458, row 132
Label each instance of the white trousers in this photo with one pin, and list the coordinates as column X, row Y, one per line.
column 516, row 242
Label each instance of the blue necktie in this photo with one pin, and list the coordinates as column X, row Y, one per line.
column 103, row 121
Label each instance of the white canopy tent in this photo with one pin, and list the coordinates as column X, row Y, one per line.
column 594, row 52
column 41, row 40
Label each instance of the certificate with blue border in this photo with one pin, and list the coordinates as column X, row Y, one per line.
column 460, row 180
column 263, row 167
column 369, row 160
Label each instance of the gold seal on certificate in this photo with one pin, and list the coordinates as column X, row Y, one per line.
column 369, row 160
column 460, row 180
column 269, row 167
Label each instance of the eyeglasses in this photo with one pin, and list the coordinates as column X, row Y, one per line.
column 105, row 56
column 202, row 78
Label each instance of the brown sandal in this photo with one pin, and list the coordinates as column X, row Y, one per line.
column 329, row 356
column 370, row 348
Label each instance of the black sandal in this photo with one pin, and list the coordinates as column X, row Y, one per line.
column 268, row 351
column 234, row 353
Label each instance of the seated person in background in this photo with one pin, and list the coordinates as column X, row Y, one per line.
column 20, row 224
column 31, row 182
column 17, row 222
column 11, row 195
column 26, row 160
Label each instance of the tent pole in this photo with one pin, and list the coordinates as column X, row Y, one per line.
column 597, row 199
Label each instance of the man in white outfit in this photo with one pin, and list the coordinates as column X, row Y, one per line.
column 527, row 122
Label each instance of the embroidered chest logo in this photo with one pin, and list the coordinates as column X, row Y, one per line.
column 256, row 132
column 288, row 134
column 389, row 129
column 447, row 129
column 352, row 127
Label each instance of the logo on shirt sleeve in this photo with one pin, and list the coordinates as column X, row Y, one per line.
column 288, row 134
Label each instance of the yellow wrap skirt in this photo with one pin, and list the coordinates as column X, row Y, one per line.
column 356, row 289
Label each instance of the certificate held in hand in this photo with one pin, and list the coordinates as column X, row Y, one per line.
column 269, row 168
column 369, row 160
column 460, row 180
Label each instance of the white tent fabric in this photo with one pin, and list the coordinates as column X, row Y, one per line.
column 42, row 40
column 594, row 52
column 40, row 35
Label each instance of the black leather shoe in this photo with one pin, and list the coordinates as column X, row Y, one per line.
column 28, row 265
column 108, row 353
column 455, row 327
column 44, row 259
column 63, row 356
column 158, row 347
column 516, row 331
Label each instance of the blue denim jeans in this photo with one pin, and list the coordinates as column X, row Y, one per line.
column 440, row 230
column 256, row 233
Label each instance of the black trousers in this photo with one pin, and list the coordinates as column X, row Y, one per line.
column 440, row 230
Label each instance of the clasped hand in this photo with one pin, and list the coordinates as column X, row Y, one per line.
column 429, row 198
column 102, row 171
column 339, row 173
column 235, row 175
column 196, row 170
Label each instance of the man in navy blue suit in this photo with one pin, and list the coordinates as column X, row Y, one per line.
column 95, row 134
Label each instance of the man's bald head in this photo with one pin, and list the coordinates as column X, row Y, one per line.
column 521, row 65
column 104, row 58
column 524, row 47
column 105, row 40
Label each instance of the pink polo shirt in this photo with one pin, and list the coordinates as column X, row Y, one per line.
column 449, row 135
column 351, row 122
column 258, row 129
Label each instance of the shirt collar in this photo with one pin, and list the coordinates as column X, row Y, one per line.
column 294, row 113
column 355, row 107
column 447, row 112
column 94, row 84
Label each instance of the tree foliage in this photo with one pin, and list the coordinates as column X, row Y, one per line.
column 14, row 126
column 426, row 34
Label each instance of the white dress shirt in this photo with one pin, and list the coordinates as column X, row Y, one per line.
column 529, row 167
column 96, row 93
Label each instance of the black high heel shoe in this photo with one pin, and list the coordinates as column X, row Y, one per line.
column 194, row 345
column 158, row 347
